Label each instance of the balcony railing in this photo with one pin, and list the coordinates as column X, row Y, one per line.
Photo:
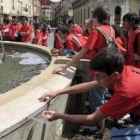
column 24, row 9
column 78, row 2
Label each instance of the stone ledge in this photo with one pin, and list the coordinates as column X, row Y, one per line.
column 17, row 104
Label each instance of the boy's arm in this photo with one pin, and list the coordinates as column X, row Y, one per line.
column 82, row 119
column 75, row 59
column 80, row 88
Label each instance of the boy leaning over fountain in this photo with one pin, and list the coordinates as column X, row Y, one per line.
column 110, row 72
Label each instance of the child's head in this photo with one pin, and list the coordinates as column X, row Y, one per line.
column 102, row 15
column 131, row 19
column 70, row 21
column 63, row 32
column 108, row 64
column 36, row 26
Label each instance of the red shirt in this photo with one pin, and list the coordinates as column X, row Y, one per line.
column 76, row 29
column 130, row 46
column 121, row 45
column 19, row 27
column 7, row 26
column 44, row 41
column 38, row 37
column 85, row 33
column 28, row 37
column 12, row 31
column 70, row 44
column 57, row 43
column 97, row 42
column 126, row 96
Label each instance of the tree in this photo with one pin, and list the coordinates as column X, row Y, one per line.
column 43, row 18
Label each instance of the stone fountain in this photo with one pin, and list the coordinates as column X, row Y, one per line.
column 20, row 111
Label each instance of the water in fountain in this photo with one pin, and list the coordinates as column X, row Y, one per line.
column 19, row 67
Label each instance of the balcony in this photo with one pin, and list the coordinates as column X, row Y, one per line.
column 78, row 3
column 24, row 9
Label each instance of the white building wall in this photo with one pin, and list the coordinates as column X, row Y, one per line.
column 90, row 5
column 47, row 11
column 17, row 7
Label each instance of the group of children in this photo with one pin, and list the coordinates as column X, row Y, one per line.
column 23, row 31
column 109, row 65
column 109, row 68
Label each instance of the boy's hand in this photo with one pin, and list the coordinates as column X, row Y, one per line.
column 50, row 115
column 54, row 51
column 47, row 97
column 59, row 69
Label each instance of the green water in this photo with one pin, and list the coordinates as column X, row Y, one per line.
column 13, row 74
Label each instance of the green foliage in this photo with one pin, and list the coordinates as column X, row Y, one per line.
column 43, row 18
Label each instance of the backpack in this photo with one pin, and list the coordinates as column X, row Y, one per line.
column 135, row 43
column 110, row 42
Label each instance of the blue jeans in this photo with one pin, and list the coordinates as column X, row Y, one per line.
column 69, row 52
column 96, row 98
column 132, row 133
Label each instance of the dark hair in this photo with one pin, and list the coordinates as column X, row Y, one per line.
column 70, row 21
column 25, row 18
column 44, row 28
column 64, row 29
column 36, row 26
column 6, row 21
column 102, row 14
column 133, row 19
column 118, row 30
column 108, row 60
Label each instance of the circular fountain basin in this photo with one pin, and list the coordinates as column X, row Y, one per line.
column 19, row 67
column 17, row 105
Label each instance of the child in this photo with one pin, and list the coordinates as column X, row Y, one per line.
column 45, row 33
column 110, row 72
column 38, row 34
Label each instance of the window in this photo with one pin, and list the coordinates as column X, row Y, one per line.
column 35, row 9
column 88, row 12
column 84, row 14
column 13, row 7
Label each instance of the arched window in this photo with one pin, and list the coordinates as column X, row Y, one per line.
column 118, row 15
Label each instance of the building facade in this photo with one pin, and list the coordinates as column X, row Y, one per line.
column 62, row 10
column 47, row 11
column 12, row 8
column 36, row 9
column 82, row 9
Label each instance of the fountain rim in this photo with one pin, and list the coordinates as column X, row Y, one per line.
column 32, row 89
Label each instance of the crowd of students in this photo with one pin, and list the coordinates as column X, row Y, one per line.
column 23, row 31
column 107, row 68
column 107, row 64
